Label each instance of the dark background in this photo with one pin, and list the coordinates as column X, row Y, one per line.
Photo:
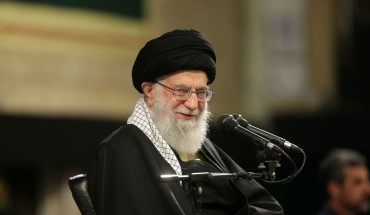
column 128, row 8
column 31, row 145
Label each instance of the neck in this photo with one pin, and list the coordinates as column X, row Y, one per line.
column 339, row 209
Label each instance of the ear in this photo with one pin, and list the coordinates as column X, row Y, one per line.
column 333, row 189
column 148, row 91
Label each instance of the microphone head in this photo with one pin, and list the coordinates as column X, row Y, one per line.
column 242, row 122
column 227, row 123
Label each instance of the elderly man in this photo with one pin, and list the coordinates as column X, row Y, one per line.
column 166, row 134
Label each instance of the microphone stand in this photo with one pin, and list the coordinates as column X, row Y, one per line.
column 208, row 177
column 194, row 181
column 272, row 159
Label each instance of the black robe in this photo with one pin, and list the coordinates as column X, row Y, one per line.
column 123, row 179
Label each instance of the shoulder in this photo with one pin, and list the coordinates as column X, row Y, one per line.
column 124, row 136
column 325, row 211
column 124, row 131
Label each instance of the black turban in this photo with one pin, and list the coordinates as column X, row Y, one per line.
column 171, row 52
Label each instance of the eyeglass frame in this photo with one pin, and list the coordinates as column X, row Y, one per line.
column 176, row 89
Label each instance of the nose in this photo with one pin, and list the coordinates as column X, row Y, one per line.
column 192, row 102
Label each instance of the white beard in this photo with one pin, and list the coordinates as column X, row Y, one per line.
column 184, row 136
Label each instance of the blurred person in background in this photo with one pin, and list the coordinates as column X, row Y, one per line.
column 344, row 176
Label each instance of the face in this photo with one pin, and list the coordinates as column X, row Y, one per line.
column 193, row 79
column 182, row 123
column 354, row 192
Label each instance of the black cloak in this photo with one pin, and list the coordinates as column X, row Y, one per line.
column 123, row 179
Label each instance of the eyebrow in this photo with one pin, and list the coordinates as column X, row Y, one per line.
column 198, row 88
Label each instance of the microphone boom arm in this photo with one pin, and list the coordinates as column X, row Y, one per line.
column 208, row 176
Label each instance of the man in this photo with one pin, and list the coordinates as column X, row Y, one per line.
column 166, row 134
column 345, row 178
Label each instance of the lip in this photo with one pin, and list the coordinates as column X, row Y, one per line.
column 186, row 116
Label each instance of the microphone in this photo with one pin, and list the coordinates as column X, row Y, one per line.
column 236, row 123
column 228, row 123
column 276, row 139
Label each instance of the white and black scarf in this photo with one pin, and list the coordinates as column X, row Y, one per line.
column 141, row 118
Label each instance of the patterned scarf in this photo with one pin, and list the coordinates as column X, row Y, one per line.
column 141, row 118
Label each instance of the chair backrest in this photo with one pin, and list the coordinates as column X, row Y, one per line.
column 78, row 186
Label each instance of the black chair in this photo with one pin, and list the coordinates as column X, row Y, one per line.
column 78, row 186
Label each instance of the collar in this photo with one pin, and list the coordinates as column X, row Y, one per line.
column 141, row 118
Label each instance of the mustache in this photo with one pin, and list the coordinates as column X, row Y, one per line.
column 187, row 111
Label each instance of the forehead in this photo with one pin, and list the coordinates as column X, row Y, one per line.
column 187, row 77
column 355, row 172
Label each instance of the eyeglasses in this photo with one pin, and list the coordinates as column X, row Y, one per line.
column 183, row 93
